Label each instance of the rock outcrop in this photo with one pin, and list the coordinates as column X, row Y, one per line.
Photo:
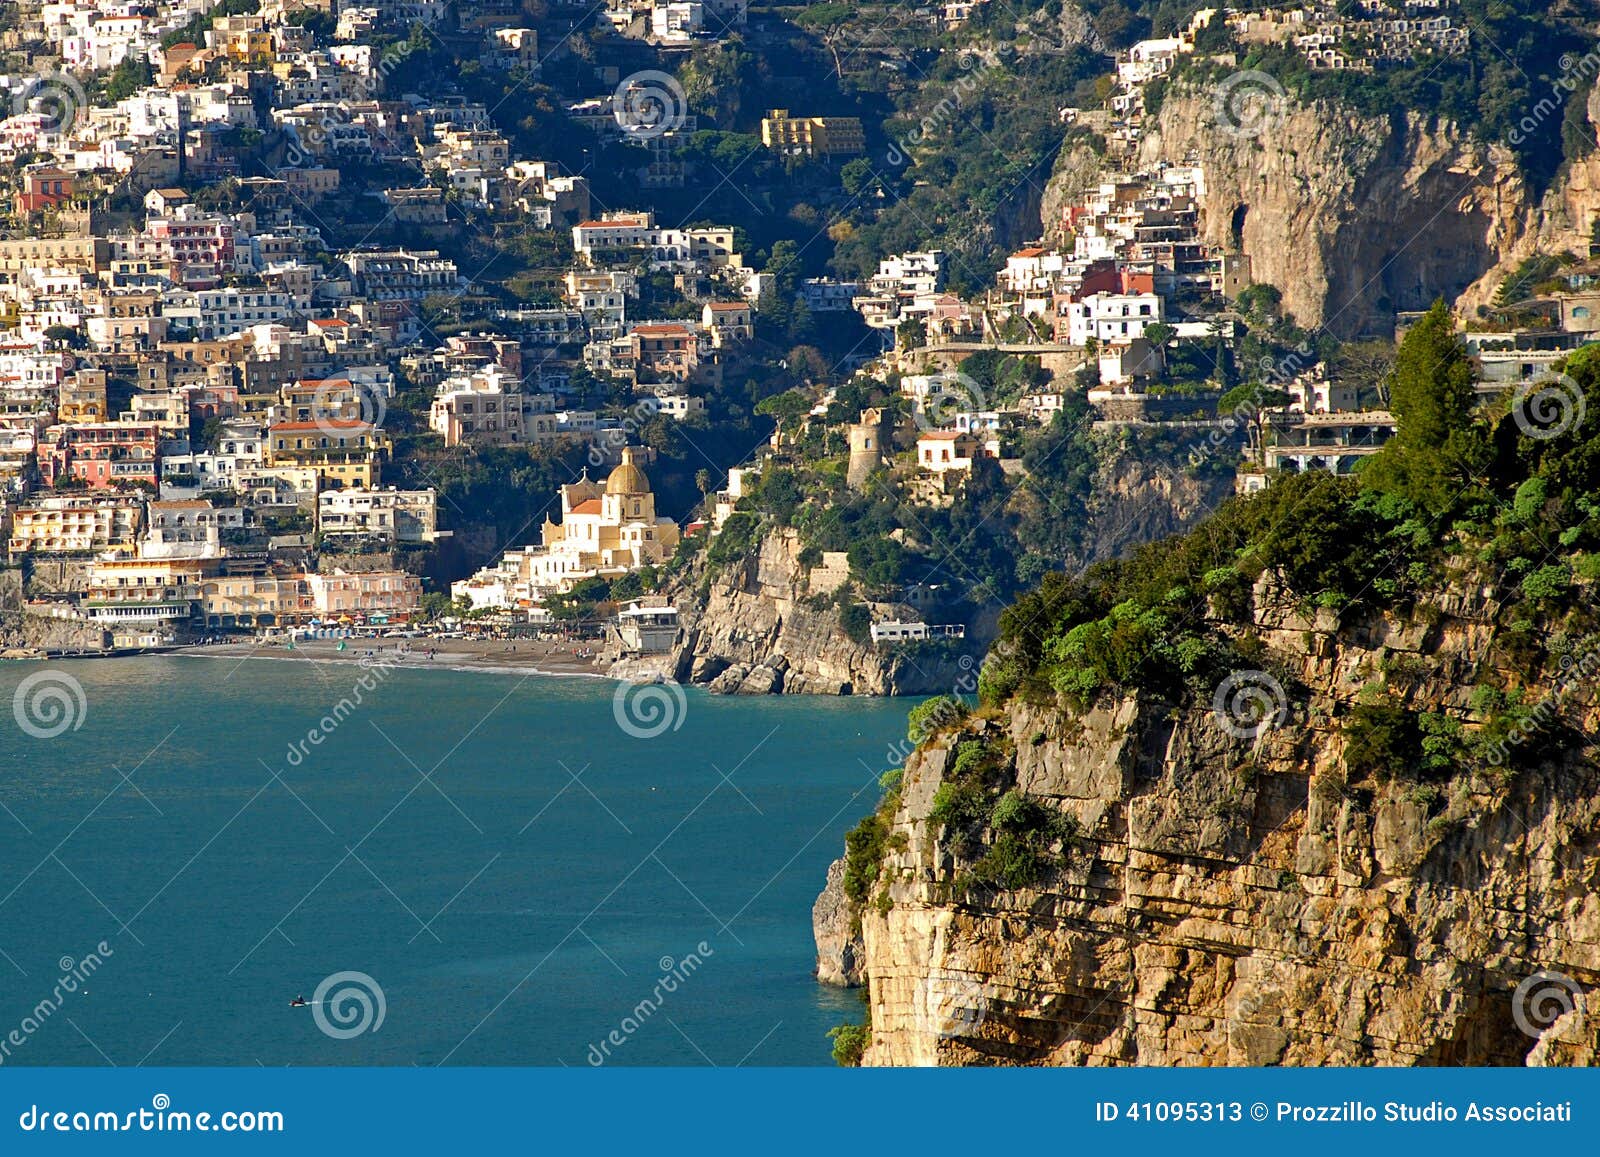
column 1563, row 221
column 1352, row 217
column 761, row 630
column 1229, row 898
column 25, row 631
column 838, row 933
column 1137, row 498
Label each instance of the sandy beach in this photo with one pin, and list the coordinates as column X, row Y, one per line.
column 528, row 656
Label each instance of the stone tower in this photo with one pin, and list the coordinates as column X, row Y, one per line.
column 866, row 447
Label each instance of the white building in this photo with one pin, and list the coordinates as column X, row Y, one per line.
column 387, row 514
column 1110, row 317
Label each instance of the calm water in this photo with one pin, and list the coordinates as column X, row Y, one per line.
column 510, row 913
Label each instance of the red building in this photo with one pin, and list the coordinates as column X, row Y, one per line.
column 44, row 189
column 105, row 455
column 667, row 350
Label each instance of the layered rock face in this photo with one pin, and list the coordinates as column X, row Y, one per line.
column 1230, row 899
column 761, row 631
column 1352, row 217
column 759, row 627
column 1562, row 221
column 838, row 936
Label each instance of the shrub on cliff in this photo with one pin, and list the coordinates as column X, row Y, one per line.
column 850, row 1043
column 931, row 715
column 864, row 847
column 739, row 536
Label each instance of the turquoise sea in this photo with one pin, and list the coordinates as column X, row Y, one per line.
column 515, row 877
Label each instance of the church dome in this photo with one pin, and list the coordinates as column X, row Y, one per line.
column 627, row 478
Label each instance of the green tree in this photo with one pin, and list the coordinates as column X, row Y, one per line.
column 133, row 74
column 912, row 333
column 1250, row 401
column 1438, row 448
column 788, row 409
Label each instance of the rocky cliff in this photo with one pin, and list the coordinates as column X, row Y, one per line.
column 26, row 631
column 1562, row 221
column 764, row 625
column 762, row 628
column 1226, row 894
column 1139, row 495
column 1352, row 217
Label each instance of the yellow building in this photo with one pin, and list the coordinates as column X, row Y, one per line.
column 244, row 39
column 256, row 600
column 824, row 137
column 76, row 524
column 604, row 532
column 145, row 590
column 343, row 452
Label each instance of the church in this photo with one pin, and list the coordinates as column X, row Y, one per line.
column 604, row 531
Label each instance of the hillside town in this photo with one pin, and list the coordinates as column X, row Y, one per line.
column 215, row 407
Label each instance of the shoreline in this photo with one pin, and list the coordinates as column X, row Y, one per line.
column 470, row 655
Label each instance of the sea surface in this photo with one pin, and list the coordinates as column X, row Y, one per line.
column 517, row 870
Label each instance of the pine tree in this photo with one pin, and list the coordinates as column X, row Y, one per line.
column 1438, row 447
